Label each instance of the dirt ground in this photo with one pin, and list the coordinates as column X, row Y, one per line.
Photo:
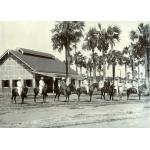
column 74, row 114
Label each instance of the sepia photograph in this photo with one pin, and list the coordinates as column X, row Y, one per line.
column 74, row 74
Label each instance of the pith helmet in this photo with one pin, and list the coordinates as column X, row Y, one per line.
column 19, row 78
column 42, row 78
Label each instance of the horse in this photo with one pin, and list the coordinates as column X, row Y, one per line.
column 133, row 90
column 64, row 91
column 44, row 93
column 15, row 94
column 110, row 90
column 81, row 90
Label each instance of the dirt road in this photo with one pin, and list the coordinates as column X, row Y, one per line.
column 98, row 113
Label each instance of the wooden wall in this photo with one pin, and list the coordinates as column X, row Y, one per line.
column 12, row 69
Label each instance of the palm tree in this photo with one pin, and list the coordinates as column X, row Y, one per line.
column 77, row 59
column 64, row 35
column 91, row 44
column 126, row 59
column 133, row 36
column 89, row 66
column 103, row 46
column 113, row 35
column 144, row 42
column 81, row 62
column 78, row 36
column 113, row 58
column 100, row 64
column 107, row 38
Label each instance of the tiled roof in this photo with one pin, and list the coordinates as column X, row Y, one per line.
column 41, row 62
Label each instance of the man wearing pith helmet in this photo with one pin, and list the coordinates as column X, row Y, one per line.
column 19, row 86
column 41, row 85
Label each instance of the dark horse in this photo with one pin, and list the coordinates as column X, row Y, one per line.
column 81, row 90
column 15, row 94
column 64, row 91
column 110, row 90
column 44, row 93
column 134, row 91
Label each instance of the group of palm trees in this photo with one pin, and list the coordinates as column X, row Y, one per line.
column 67, row 35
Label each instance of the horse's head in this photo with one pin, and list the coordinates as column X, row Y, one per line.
column 24, row 91
column 72, row 87
column 95, row 85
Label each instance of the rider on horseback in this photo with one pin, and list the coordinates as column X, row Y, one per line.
column 19, row 86
column 41, row 85
column 85, row 83
column 62, row 86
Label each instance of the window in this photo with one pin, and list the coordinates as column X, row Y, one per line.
column 28, row 83
column 14, row 83
column 5, row 83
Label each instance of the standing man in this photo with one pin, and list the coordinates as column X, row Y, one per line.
column 19, row 86
column 41, row 85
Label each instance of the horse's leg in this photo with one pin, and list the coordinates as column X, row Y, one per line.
column 68, row 97
column 78, row 94
column 109, row 96
column 139, row 95
column 90, row 97
column 112, row 96
column 55, row 97
column 128, row 96
column 35, row 97
column 12, row 99
column 58, row 95
column 22, row 97
column 15, row 99
column 43, row 98
column 104, row 95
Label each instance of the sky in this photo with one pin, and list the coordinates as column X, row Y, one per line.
column 36, row 35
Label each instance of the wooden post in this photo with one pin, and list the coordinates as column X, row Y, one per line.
column 33, row 83
column 53, row 83
column 0, row 87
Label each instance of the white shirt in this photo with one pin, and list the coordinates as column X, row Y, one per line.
column 19, row 84
column 41, row 83
column 85, row 82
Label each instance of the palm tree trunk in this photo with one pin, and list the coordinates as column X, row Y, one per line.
column 67, row 65
column 132, row 71
column 66, row 55
column 146, row 70
column 125, row 73
column 81, row 70
column 104, row 68
column 94, row 67
column 113, row 70
column 76, row 59
column 138, row 74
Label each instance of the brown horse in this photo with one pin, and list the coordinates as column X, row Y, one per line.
column 15, row 94
column 134, row 91
column 110, row 90
column 67, row 90
column 44, row 93
column 81, row 90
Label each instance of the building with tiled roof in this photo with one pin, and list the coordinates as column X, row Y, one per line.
column 30, row 65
